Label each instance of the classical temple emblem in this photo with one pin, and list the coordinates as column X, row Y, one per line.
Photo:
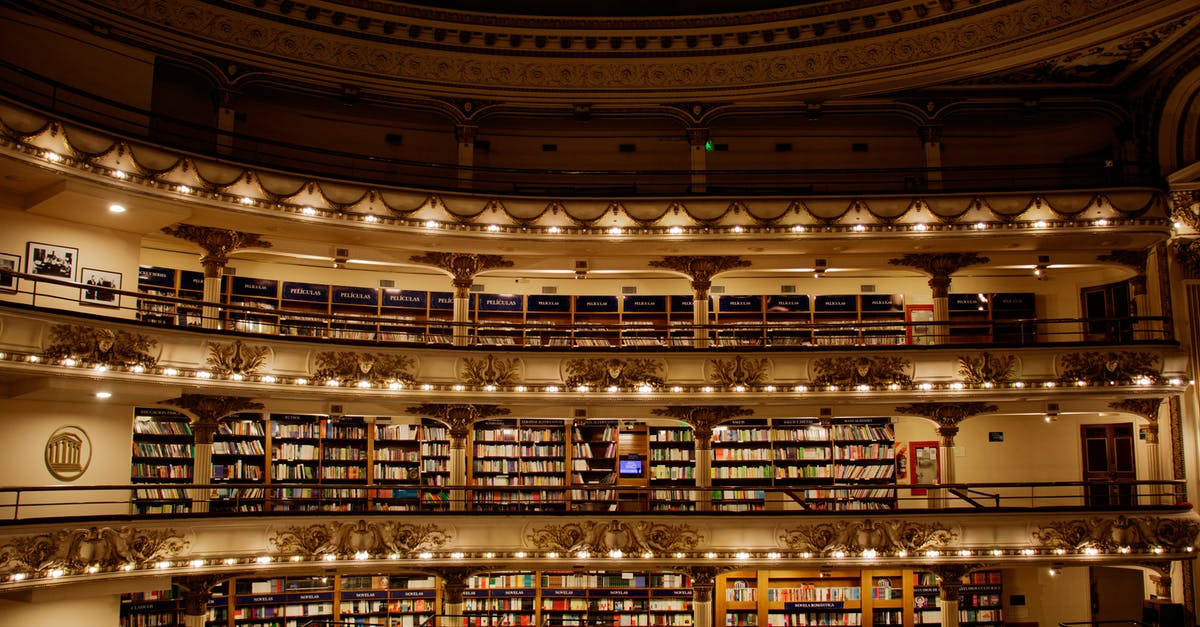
column 348, row 367
column 887, row 536
column 1113, row 534
column 629, row 537
column 100, row 346
column 103, row 547
column 847, row 371
column 489, row 370
column 1108, row 367
column 738, row 371
column 348, row 538
column 602, row 373
column 68, row 453
column 987, row 368
column 236, row 358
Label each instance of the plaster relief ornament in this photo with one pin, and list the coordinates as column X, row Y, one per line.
column 236, row 358
column 738, row 371
column 348, row 538
column 100, row 346
column 1111, row 367
column 104, row 547
column 603, row 537
column 622, row 373
column 851, row 371
column 1139, row 533
column 490, row 371
column 349, row 367
column 886, row 536
column 987, row 368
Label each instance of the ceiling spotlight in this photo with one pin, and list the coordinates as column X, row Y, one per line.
column 819, row 268
column 116, row 208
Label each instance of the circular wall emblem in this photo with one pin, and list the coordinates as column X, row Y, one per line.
column 68, row 453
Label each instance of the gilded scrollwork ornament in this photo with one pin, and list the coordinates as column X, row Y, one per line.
column 862, row 370
column 738, row 371
column 1120, row 532
column 886, row 536
column 350, row 367
column 490, row 370
column 349, row 538
column 100, row 346
column 622, row 373
column 987, row 368
column 1108, row 368
column 80, row 548
column 604, row 537
column 236, row 357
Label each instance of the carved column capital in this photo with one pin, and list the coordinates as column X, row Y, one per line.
column 197, row 591
column 454, row 582
column 1145, row 408
column 217, row 243
column 947, row 415
column 1186, row 207
column 939, row 265
column 207, row 410
column 700, row 269
column 458, row 417
column 950, row 579
column 704, row 580
column 697, row 136
column 466, row 133
column 702, row 418
column 463, row 267
column 930, row 133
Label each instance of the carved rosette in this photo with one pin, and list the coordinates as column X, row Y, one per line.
column 886, row 536
column 217, row 243
column 738, row 371
column 100, row 346
column 701, row 269
column 103, row 547
column 604, row 537
column 458, row 417
column 489, row 370
column 349, row 368
column 236, row 358
column 703, row 418
column 1101, row 368
column 987, row 368
column 862, row 370
column 463, row 267
column 349, row 538
column 603, row 373
column 1139, row 533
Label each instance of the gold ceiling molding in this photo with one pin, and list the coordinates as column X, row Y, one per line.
column 489, row 370
column 347, row 538
column 1108, row 368
column 856, row 536
column 600, row 538
column 738, row 371
column 236, row 357
column 100, row 346
column 602, row 373
column 104, row 547
column 861, row 370
column 351, row 367
column 1139, row 533
column 987, row 368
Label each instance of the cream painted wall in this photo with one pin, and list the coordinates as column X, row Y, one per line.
column 62, row 611
column 1050, row 599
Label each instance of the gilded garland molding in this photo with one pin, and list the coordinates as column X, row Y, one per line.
column 1108, row 368
column 856, row 536
column 738, row 371
column 100, row 346
column 104, row 547
column 236, row 358
column 489, row 370
column 348, row 538
column 987, row 368
column 861, row 370
column 1139, row 533
column 632, row 538
column 350, row 367
column 602, row 373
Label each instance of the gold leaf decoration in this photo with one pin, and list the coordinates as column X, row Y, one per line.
column 77, row 549
column 490, row 371
column 100, row 346
column 1113, row 534
column 1101, row 368
column 987, row 368
column 236, row 358
column 629, row 537
column 850, row 371
column 859, row 535
column 622, row 373
column 738, row 371
column 349, row 367
column 348, row 538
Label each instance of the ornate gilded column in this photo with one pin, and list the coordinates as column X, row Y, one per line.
column 931, row 142
column 463, row 267
column 206, row 413
column 458, row 420
column 465, row 134
column 197, row 592
column 218, row 244
column 698, row 144
column 1147, row 409
column 1178, row 465
column 703, row 583
column 939, row 267
column 701, row 271
column 949, row 586
column 947, row 416
column 703, row 419
column 454, row 583
column 1135, row 260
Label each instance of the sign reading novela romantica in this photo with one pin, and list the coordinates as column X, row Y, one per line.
column 68, row 453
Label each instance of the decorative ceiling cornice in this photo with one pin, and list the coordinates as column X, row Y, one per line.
column 490, row 370
column 1117, row 533
column 602, row 538
column 101, row 346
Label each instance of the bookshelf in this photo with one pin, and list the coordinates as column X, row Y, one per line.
column 548, row 320
column 864, row 454
column 989, row 318
column 393, row 600
column 295, row 458
column 162, row 608
column 527, row 455
column 979, row 600
column 740, row 320
column 435, row 459
column 440, row 328
column 786, row 598
column 883, row 318
column 594, row 464
column 501, row 599
column 742, row 456
column 155, row 281
column 672, row 468
column 834, row 320
column 353, row 311
column 396, row 466
column 344, row 461
column 597, row 321
column 283, row 601
column 680, row 320
column 260, row 300
column 788, row 320
column 499, row 319
column 803, row 451
column 403, row 315
column 239, row 455
column 643, row 320
column 163, row 447
column 303, row 308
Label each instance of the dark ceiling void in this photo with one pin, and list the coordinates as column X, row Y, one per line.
column 611, row 8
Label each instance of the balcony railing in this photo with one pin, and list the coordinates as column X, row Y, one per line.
column 783, row 335
column 33, row 503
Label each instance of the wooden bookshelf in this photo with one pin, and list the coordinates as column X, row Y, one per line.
column 163, row 448
column 794, row 598
column 239, row 455
column 643, row 320
column 258, row 302
column 740, row 321
column 304, row 309
column 548, row 320
column 672, row 468
column 523, row 457
column 499, row 319
column 597, row 321
column 593, row 465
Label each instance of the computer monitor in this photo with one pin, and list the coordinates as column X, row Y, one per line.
column 630, row 466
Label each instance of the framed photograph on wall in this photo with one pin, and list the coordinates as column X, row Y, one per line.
column 99, row 287
column 9, row 264
column 52, row 261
